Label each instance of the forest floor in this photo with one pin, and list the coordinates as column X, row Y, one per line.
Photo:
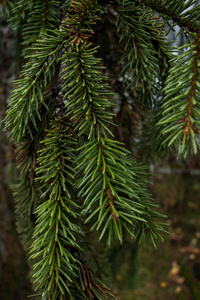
column 172, row 271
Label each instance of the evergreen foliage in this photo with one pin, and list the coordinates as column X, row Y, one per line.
column 73, row 168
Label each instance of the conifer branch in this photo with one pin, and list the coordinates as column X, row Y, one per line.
column 6, row 8
column 103, row 162
column 140, row 61
column 103, row 157
column 63, row 81
column 28, row 99
column 26, row 192
column 179, row 12
column 56, row 231
column 92, row 286
column 152, row 132
column 192, row 91
column 42, row 12
column 181, row 103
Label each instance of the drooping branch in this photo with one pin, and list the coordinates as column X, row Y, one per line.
column 140, row 61
column 192, row 91
column 176, row 12
column 93, row 166
column 56, row 231
column 181, row 102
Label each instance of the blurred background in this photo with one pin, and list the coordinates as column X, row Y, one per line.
column 170, row 272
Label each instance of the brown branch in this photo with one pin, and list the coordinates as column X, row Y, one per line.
column 84, row 277
column 100, row 289
column 110, row 198
column 88, row 277
column 112, row 295
column 108, row 190
column 89, row 281
column 89, row 292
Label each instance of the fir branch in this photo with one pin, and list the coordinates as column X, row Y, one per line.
column 179, row 12
column 181, row 103
column 28, row 98
column 80, row 18
column 92, row 285
column 19, row 11
column 105, row 168
column 150, row 132
column 26, row 192
column 27, row 197
column 6, row 8
column 33, row 19
column 164, row 52
column 110, row 186
column 140, row 61
column 192, row 92
column 64, row 80
column 42, row 13
column 56, row 229
column 85, row 92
